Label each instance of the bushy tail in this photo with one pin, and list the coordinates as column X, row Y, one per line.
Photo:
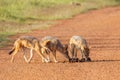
column 11, row 51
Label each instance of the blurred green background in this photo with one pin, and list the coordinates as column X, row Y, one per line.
column 19, row 16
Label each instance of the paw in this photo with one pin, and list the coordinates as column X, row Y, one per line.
column 56, row 61
column 82, row 60
column 45, row 60
column 88, row 59
column 73, row 60
column 48, row 60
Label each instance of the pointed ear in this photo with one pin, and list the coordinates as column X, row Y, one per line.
column 65, row 46
column 45, row 43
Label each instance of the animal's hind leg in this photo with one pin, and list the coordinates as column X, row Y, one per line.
column 31, row 54
column 14, row 53
column 41, row 55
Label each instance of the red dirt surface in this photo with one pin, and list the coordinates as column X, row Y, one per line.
column 101, row 28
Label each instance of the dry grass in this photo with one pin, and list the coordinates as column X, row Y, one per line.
column 21, row 16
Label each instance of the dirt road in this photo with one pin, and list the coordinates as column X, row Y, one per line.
column 101, row 28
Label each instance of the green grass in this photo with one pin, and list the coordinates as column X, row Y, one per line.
column 25, row 15
column 22, row 10
column 11, row 29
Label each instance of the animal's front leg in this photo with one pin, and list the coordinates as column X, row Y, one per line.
column 47, row 52
column 48, row 57
column 75, row 55
column 54, row 56
column 41, row 55
column 14, row 53
column 83, row 56
column 72, row 50
column 86, row 51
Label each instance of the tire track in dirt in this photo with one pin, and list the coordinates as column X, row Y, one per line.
column 101, row 28
column 105, row 43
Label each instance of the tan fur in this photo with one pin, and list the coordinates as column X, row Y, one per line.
column 79, row 43
column 52, row 44
column 27, row 42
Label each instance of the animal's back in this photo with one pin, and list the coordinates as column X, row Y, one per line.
column 28, row 38
column 54, row 42
column 24, row 41
column 50, row 38
column 27, row 41
column 78, row 41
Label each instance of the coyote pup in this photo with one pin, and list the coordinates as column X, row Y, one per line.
column 52, row 44
column 29, row 42
column 79, row 43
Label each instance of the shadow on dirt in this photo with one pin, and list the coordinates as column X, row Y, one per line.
column 104, row 60
column 94, row 61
